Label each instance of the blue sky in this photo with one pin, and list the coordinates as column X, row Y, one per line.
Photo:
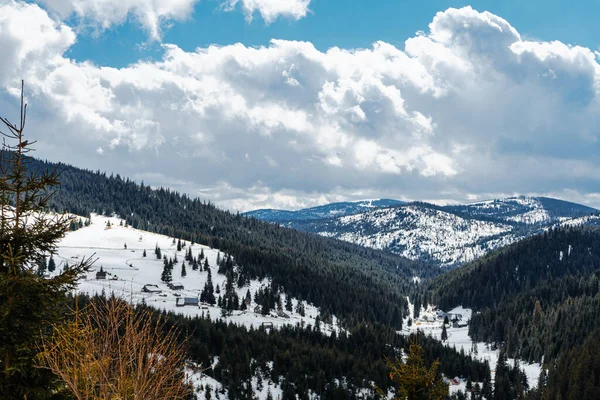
column 341, row 23
column 489, row 98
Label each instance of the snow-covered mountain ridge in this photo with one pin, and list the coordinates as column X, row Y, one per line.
column 448, row 235
column 320, row 212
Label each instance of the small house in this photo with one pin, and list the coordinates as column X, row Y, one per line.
column 267, row 325
column 175, row 286
column 187, row 301
column 257, row 309
column 459, row 324
column 101, row 274
column 282, row 314
column 149, row 288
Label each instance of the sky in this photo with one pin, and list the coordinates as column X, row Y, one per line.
column 295, row 103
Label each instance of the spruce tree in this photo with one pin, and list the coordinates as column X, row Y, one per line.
column 183, row 272
column 51, row 264
column 414, row 380
column 444, row 333
column 502, row 385
column 29, row 303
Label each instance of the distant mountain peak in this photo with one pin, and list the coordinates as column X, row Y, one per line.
column 331, row 210
column 448, row 235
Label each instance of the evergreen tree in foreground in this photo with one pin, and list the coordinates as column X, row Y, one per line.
column 414, row 380
column 29, row 302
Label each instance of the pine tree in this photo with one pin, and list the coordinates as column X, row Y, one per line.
column 42, row 266
column 179, row 245
column 417, row 307
column 167, row 274
column 444, row 333
column 413, row 380
column 29, row 303
column 51, row 264
column 144, row 253
column 502, row 386
column 183, row 272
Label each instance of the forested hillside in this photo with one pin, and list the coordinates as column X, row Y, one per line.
column 349, row 281
column 300, row 360
column 540, row 297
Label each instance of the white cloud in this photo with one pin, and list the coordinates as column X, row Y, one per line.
column 270, row 10
column 152, row 15
column 465, row 109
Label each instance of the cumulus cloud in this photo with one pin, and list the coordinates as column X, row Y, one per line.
column 152, row 15
column 270, row 10
column 466, row 109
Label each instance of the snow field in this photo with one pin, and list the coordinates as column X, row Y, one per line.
column 128, row 271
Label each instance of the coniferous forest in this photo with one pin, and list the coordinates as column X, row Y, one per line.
column 535, row 298
column 352, row 282
column 539, row 300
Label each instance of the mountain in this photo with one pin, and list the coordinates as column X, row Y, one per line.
column 448, row 235
column 418, row 232
column 306, row 356
column 342, row 279
column 522, row 210
column 326, row 211
column 539, row 297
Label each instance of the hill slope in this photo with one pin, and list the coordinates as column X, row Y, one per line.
column 446, row 235
column 522, row 210
column 345, row 280
column 540, row 296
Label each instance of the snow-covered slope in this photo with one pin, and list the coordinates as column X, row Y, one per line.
column 458, row 337
column 420, row 232
column 522, row 210
column 447, row 235
column 319, row 212
column 119, row 252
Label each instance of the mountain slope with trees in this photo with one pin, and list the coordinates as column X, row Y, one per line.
column 349, row 281
column 447, row 235
column 539, row 297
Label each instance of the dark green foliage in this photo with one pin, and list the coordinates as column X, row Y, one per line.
column 51, row 264
column 352, row 282
column 576, row 375
column 529, row 297
column 29, row 302
column 304, row 359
